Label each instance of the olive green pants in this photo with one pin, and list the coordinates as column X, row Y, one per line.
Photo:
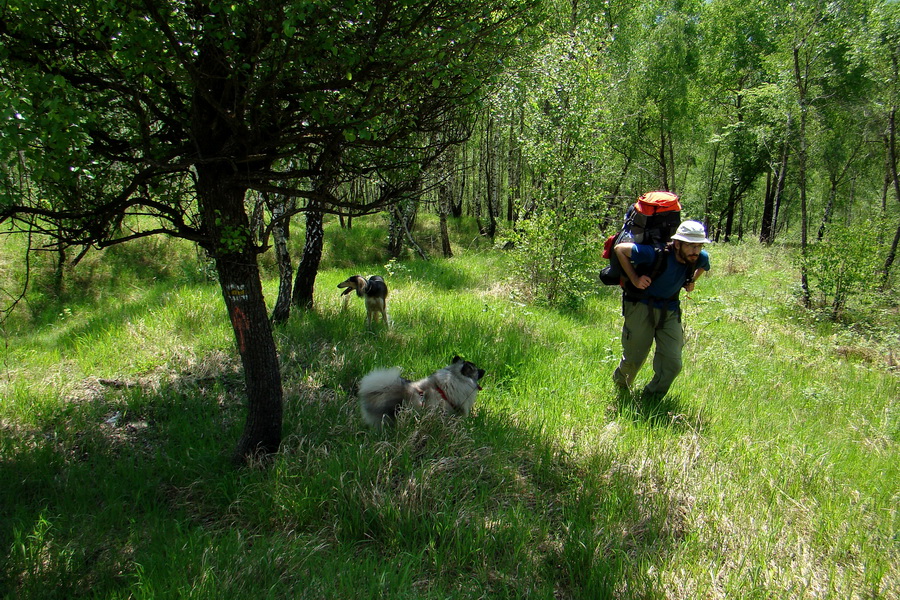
column 644, row 325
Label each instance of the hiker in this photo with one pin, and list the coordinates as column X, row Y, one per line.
column 651, row 306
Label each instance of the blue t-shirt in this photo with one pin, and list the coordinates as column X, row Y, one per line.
column 672, row 279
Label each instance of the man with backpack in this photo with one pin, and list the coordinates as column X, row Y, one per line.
column 653, row 279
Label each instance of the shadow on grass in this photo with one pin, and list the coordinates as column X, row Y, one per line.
column 106, row 497
column 453, row 502
column 666, row 411
column 127, row 490
column 91, row 490
column 448, row 501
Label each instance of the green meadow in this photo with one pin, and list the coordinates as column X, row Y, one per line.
column 772, row 470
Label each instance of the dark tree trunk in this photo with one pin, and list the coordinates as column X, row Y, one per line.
column 895, row 180
column 309, row 264
column 491, row 177
column 765, row 225
column 663, row 162
column 802, row 156
column 456, row 199
column 61, row 259
column 514, row 171
column 729, row 211
column 829, row 207
column 281, row 232
column 395, row 232
column 229, row 240
column 444, row 192
column 774, row 194
column 711, row 187
column 221, row 206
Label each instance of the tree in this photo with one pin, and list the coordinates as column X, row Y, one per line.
column 881, row 49
column 734, row 39
column 805, row 34
column 134, row 118
column 561, row 142
column 667, row 61
column 280, row 234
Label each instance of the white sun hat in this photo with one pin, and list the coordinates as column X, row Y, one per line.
column 691, row 232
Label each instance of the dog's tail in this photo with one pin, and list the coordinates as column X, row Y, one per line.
column 381, row 393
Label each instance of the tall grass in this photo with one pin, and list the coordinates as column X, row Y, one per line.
column 770, row 471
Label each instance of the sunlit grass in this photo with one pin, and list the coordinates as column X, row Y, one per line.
column 770, row 470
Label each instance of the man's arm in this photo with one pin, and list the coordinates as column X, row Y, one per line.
column 623, row 252
column 689, row 287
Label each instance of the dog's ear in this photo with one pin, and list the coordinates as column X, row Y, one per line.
column 455, row 360
column 471, row 370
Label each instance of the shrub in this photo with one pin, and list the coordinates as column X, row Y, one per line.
column 844, row 265
column 556, row 255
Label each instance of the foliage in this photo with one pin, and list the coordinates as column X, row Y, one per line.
column 556, row 258
column 562, row 141
column 111, row 118
column 709, row 99
column 844, row 266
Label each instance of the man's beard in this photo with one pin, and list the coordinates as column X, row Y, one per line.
column 683, row 255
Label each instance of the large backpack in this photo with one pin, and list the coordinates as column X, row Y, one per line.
column 651, row 221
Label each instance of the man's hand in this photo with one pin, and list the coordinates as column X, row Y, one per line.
column 623, row 251
column 642, row 282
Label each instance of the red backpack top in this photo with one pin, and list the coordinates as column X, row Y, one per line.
column 653, row 203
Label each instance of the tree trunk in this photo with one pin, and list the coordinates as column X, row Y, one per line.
column 281, row 232
column 444, row 192
column 829, row 207
column 229, row 240
column 774, row 194
column 221, row 206
column 257, row 222
column 514, row 170
column 765, row 223
column 404, row 223
column 309, row 264
column 491, row 176
column 802, row 156
column 663, row 162
column 780, row 183
column 58, row 274
column 457, row 196
column 892, row 255
column 892, row 172
column 729, row 211
column 395, row 233
column 711, row 187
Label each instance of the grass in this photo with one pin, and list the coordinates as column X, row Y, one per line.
column 770, row 471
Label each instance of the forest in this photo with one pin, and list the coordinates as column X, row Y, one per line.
column 183, row 184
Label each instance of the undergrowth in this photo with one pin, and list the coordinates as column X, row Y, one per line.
column 770, row 471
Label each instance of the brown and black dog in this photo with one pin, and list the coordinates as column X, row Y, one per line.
column 374, row 291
